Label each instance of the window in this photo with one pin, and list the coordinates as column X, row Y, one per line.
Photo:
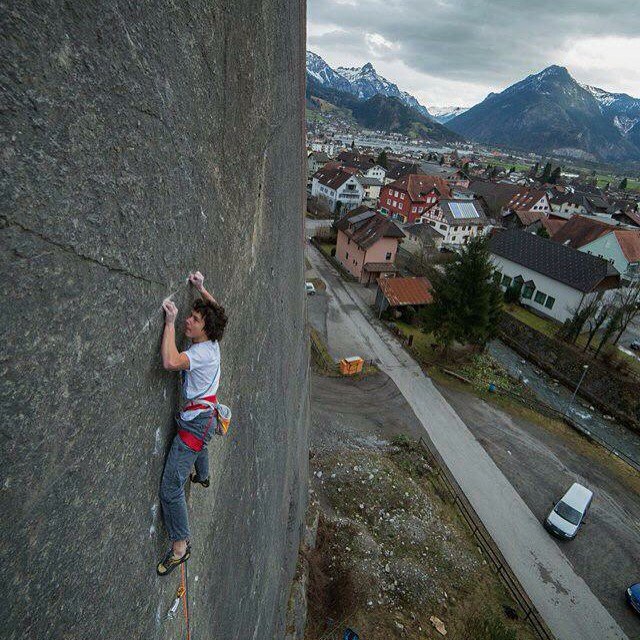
column 346, row 256
column 388, row 201
column 388, row 256
column 497, row 276
column 549, row 302
column 506, row 281
column 419, row 209
column 399, row 205
column 540, row 297
column 348, row 240
column 402, row 196
column 395, row 203
column 527, row 291
column 414, row 209
column 443, row 226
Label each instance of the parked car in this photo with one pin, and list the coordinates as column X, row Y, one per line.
column 568, row 513
column 309, row 288
column 633, row 596
column 635, row 345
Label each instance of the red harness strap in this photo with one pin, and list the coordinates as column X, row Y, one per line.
column 192, row 441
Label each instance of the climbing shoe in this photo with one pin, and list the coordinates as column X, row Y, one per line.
column 170, row 562
column 196, row 480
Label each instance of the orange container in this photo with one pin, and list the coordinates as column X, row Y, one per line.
column 350, row 366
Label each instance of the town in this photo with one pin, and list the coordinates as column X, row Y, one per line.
column 503, row 283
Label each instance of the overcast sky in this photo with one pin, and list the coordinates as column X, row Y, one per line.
column 454, row 52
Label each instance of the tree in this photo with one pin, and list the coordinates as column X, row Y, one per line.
column 466, row 300
column 441, row 160
column 596, row 322
column 353, row 144
column 546, row 173
column 572, row 327
column 512, row 170
column 382, row 159
column 628, row 299
column 623, row 184
column 610, row 329
column 555, row 175
column 542, row 232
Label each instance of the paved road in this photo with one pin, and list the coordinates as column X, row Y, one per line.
column 562, row 597
column 541, row 462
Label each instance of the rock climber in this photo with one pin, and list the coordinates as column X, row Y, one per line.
column 200, row 369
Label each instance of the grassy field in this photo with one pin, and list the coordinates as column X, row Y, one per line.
column 633, row 184
column 421, row 341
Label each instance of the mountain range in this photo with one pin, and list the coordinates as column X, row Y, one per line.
column 373, row 101
column 550, row 113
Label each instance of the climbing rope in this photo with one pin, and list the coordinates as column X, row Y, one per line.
column 184, row 594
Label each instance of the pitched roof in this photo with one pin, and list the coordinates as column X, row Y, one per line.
column 333, row 178
column 404, row 291
column 524, row 199
column 398, row 169
column 442, row 171
column 629, row 241
column 465, row 212
column 552, row 225
column 357, row 160
column 365, row 228
column 576, row 269
column 418, row 185
column 526, row 216
column 580, row 230
column 496, row 195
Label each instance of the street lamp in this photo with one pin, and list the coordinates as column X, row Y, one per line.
column 573, row 397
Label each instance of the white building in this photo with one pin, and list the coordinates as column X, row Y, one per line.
column 377, row 172
column 371, row 187
column 457, row 221
column 337, row 185
column 553, row 279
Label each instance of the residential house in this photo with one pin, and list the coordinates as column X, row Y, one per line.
column 316, row 160
column 367, row 244
column 569, row 204
column 619, row 245
column 407, row 198
column 337, row 186
column 457, row 221
column 553, row 279
column 550, row 224
column 453, row 176
column 398, row 169
column 494, row 196
column 421, row 238
column 533, row 200
column 377, row 172
column 402, row 292
column 372, row 188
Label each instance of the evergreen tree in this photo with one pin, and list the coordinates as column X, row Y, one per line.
column 441, row 161
column 555, row 175
column 623, row 184
column 546, row 173
column 382, row 159
column 466, row 300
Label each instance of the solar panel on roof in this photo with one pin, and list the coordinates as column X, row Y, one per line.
column 463, row 210
column 362, row 216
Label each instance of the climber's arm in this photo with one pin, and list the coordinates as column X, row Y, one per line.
column 197, row 280
column 172, row 359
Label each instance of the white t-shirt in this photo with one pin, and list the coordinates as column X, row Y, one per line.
column 203, row 375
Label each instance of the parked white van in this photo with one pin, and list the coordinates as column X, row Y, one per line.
column 568, row 513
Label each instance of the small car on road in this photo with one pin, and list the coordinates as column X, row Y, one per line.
column 633, row 596
column 309, row 288
column 568, row 513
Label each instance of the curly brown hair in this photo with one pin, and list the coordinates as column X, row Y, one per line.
column 214, row 316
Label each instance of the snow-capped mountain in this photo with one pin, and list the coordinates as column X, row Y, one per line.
column 363, row 82
column 623, row 110
column 549, row 112
column 444, row 114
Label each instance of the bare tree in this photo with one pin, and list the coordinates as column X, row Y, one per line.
column 597, row 321
column 628, row 299
column 585, row 311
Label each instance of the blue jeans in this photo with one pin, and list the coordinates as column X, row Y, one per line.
column 176, row 472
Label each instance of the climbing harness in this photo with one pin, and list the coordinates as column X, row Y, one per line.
column 220, row 412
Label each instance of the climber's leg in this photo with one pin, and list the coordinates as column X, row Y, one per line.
column 202, row 468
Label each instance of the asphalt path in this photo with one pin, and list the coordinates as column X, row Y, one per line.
column 541, row 461
column 563, row 598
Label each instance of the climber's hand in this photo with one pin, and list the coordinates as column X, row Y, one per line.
column 170, row 311
column 197, row 280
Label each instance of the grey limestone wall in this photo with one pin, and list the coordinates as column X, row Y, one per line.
column 142, row 140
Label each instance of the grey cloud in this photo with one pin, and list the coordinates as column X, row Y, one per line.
column 491, row 42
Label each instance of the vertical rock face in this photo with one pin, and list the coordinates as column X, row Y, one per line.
column 146, row 140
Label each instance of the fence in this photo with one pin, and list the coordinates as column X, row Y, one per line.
column 485, row 542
